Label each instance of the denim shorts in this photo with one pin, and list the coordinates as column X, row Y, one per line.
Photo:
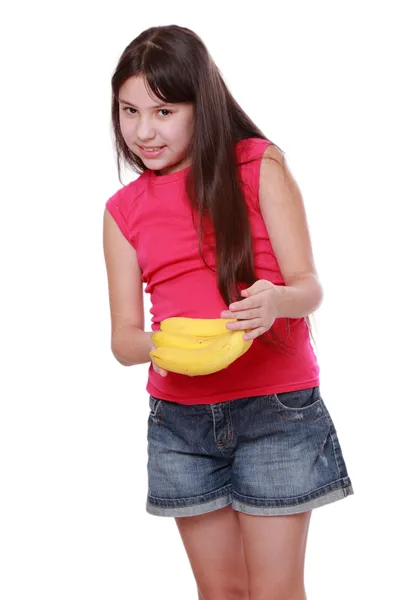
column 266, row 455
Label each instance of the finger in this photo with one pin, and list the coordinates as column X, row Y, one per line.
column 248, row 314
column 253, row 302
column 156, row 368
column 254, row 333
column 160, row 371
column 249, row 324
column 259, row 286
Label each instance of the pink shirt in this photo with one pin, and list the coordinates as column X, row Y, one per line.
column 154, row 214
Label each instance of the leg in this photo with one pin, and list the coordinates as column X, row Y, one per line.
column 274, row 549
column 287, row 459
column 215, row 549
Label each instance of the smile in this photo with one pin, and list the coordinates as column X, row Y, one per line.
column 151, row 152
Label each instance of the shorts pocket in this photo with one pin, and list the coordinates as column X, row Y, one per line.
column 154, row 405
column 300, row 406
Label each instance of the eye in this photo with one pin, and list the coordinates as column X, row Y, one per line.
column 165, row 112
column 128, row 108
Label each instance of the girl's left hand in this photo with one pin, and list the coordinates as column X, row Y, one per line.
column 257, row 311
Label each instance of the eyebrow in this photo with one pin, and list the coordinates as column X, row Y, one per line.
column 121, row 101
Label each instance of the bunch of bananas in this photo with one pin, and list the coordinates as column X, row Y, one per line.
column 197, row 346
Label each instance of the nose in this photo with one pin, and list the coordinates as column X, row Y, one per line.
column 145, row 130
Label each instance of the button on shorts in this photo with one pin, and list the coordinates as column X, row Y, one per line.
column 266, row 455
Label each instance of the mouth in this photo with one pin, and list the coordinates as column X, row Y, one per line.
column 151, row 151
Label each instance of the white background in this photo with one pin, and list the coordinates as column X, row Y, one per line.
column 319, row 79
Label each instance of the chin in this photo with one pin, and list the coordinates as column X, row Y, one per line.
column 167, row 169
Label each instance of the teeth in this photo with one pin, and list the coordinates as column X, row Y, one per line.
column 151, row 149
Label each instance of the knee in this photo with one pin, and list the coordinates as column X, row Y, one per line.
column 277, row 594
column 225, row 593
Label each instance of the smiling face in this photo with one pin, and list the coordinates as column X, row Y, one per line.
column 159, row 133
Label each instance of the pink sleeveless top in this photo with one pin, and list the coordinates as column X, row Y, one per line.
column 154, row 214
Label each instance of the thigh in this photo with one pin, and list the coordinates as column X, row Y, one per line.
column 214, row 546
column 274, row 549
column 288, row 459
column 187, row 472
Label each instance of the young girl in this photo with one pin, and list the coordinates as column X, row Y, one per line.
column 215, row 227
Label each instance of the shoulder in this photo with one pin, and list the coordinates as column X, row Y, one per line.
column 275, row 175
column 251, row 149
column 128, row 193
column 122, row 205
column 250, row 153
column 125, row 199
column 272, row 154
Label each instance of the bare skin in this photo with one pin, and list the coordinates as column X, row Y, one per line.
column 214, row 546
column 275, row 550
column 243, row 557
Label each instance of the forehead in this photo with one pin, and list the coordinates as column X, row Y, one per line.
column 135, row 91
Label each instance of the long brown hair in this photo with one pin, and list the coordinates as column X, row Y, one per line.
column 177, row 67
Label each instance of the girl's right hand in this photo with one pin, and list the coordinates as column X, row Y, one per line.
column 158, row 369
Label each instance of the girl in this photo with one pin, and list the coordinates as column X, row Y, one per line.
column 215, row 226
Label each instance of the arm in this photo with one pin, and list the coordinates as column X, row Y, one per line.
column 130, row 344
column 282, row 208
column 283, row 211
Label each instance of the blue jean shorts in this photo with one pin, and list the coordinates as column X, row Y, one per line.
column 266, row 455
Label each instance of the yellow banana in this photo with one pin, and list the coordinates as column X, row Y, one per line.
column 218, row 355
column 196, row 327
column 164, row 338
